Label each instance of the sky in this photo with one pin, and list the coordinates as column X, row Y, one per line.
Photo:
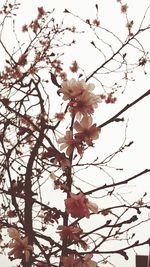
column 138, row 128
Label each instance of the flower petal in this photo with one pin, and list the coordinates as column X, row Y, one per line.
column 92, row 206
column 13, row 232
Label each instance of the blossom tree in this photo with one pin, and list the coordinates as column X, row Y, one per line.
column 60, row 203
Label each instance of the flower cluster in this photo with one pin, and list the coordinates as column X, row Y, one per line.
column 86, row 133
column 80, row 96
column 79, row 206
column 82, row 102
column 35, row 24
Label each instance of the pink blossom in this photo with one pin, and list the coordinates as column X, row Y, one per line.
column 71, row 233
column 69, row 142
column 85, row 103
column 72, row 89
column 78, row 206
column 86, row 131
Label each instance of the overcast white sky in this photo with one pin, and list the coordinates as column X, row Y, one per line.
column 139, row 130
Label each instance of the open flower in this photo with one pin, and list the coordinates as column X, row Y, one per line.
column 82, row 100
column 69, row 142
column 20, row 246
column 78, row 206
column 86, row 131
column 85, row 103
column 72, row 89
column 70, row 233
